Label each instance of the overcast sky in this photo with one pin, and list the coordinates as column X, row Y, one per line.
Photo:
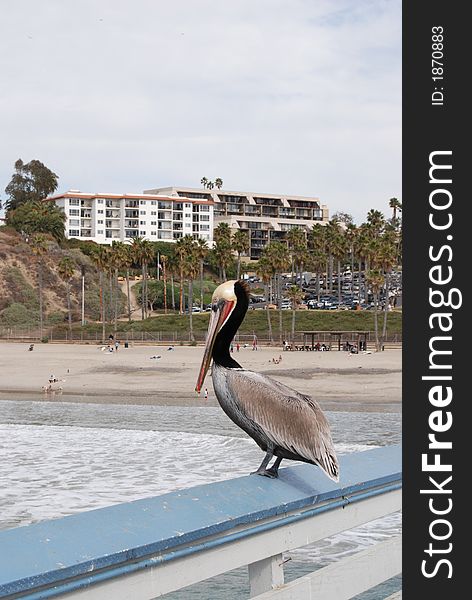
column 278, row 96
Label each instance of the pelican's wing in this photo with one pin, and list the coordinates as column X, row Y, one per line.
column 291, row 420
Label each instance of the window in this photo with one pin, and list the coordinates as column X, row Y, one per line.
column 142, row 222
column 153, row 232
column 188, row 215
column 188, row 205
column 74, row 212
column 74, row 202
column 204, row 208
column 142, row 202
column 100, row 232
column 74, row 232
column 204, row 217
column 154, row 202
column 142, row 212
column 153, row 213
column 153, row 222
column 188, row 224
column 100, row 211
column 204, row 227
column 100, row 221
column 74, row 222
column 99, row 201
column 142, row 233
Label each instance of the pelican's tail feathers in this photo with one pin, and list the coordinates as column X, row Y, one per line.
column 329, row 464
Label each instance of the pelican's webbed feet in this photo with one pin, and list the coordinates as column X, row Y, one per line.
column 273, row 472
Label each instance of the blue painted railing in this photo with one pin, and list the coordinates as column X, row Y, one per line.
column 111, row 545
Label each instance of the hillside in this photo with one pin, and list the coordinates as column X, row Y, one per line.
column 19, row 302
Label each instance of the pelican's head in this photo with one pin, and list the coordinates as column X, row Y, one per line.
column 223, row 303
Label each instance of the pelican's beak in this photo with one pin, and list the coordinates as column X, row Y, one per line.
column 220, row 312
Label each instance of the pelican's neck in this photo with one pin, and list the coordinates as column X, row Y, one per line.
column 221, row 354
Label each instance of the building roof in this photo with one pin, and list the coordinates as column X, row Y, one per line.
column 144, row 196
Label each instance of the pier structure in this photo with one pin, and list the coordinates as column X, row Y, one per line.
column 149, row 547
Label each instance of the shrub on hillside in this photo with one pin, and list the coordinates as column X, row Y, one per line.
column 18, row 314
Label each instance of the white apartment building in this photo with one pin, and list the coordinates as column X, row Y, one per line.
column 104, row 218
column 266, row 217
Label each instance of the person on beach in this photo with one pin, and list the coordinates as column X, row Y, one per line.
column 117, row 343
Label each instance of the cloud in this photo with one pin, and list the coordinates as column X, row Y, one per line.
column 287, row 96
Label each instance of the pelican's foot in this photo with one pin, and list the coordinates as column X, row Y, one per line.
column 266, row 473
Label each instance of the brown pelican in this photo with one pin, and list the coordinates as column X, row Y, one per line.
column 283, row 422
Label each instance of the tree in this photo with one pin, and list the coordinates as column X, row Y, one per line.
column 202, row 252
column 191, row 269
column 143, row 252
column 164, row 259
column 375, row 279
column 295, row 295
column 240, row 244
column 265, row 271
column 395, row 205
column 276, row 253
column 37, row 217
column 100, row 259
column 342, row 217
column 66, row 270
column 31, row 182
column 39, row 248
column 204, row 181
column 183, row 247
column 222, row 248
column 125, row 260
column 219, row 183
column 316, row 242
column 297, row 246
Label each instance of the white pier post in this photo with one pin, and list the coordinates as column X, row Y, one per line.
column 265, row 575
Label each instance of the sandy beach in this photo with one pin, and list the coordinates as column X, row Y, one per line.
column 135, row 375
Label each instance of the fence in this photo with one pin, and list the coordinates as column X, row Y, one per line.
column 30, row 334
column 147, row 548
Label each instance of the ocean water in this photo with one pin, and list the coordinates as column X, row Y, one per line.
column 59, row 458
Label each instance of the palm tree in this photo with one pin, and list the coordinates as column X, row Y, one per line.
column 210, row 185
column 204, row 181
column 164, row 259
column 191, row 270
column 202, row 251
column 125, row 259
column 375, row 279
column 295, row 295
column 39, row 248
column 297, row 244
column 100, row 259
column 219, row 183
column 143, row 253
column 278, row 256
column 316, row 242
column 222, row 247
column 351, row 235
column 66, row 270
column 265, row 271
column 183, row 248
column 240, row 244
column 395, row 205
column 339, row 251
column 331, row 238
